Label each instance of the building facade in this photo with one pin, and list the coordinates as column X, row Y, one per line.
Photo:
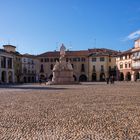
column 29, row 68
column 16, row 62
column 83, row 62
column 88, row 65
column 102, row 64
column 124, row 66
column 136, row 61
column 6, row 67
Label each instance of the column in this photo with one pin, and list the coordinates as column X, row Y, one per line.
column 13, row 76
column 132, row 76
column 7, row 80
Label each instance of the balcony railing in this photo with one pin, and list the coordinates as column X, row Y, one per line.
column 136, row 65
column 136, row 57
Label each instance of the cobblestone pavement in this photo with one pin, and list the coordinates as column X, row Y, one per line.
column 91, row 111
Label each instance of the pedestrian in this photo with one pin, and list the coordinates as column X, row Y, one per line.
column 107, row 80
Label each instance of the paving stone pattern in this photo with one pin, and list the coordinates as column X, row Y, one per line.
column 91, row 111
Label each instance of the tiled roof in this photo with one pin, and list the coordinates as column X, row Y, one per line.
column 88, row 52
column 125, row 52
column 68, row 53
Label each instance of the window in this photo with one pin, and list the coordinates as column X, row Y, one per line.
column 24, row 70
column 3, row 62
column 56, row 59
column 82, row 68
column 78, row 59
column 121, row 66
column 94, row 68
column 94, row 59
column 32, row 61
column 46, row 59
column 109, row 59
column 121, row 57
column 125, row 65
column 29, row 71
column 42, row 68
column 41, row 60
column 9, row 61
column 109, row 68
column 72, row 65
column 51, row 67
column 129, row 65
column 125, row 56
column 51, row 60
column 74, row 59
column 102, row 68
column 83, row 59
column 102, row 59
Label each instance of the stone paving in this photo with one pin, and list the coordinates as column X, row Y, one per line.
column 90, row 111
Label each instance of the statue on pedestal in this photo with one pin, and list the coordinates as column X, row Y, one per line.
column 62, row 71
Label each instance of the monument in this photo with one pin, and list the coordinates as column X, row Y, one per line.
column 62, row 71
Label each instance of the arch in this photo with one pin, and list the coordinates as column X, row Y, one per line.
column 24, row 79
column 10, row 77
column 50, row 77
column 128, row 76
column 121, row 77
column 3, row 76
column 33, row 79
column 29, row 79
column 42, row 77
column 94, row 77
column 83, row 78
column 102, row 76
column 75, row 78
column 137, row 76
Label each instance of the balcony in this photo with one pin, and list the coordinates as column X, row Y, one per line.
column 136, row 65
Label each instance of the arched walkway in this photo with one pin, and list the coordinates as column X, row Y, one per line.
column 94, row 77
column 3, row 76
column 10, row 77
column 42, row 77
column 102, row 77
column 83, row 78
column 75, row 79
column 25, row 80
column 137, row 76
column 50, row 77
column 29, row 79
column 33, row 79
column 121, row 76
column 128, row 76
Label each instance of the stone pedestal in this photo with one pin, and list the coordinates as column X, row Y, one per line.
column 62, row 71
column 62, row 77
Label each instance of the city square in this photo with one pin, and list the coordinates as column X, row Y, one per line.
column 86, row 111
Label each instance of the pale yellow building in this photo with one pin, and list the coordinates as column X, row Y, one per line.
column 82, row 62
column 102, row 64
